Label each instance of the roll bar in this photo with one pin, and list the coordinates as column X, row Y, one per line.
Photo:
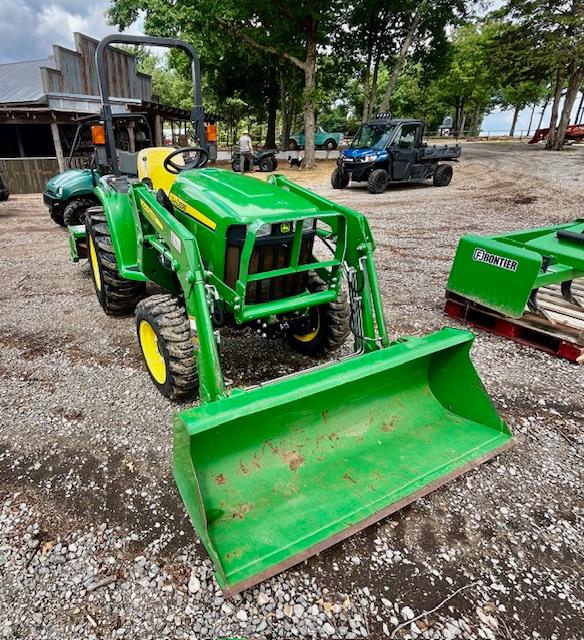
column 197, row 113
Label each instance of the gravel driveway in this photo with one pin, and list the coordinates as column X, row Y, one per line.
column 94, row 542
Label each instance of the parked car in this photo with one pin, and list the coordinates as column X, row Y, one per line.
column 322, row 138
column 264, row 160
column 387, row 150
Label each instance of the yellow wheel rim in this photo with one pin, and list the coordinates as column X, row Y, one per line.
column 311, row 335
column 150, row 349
column 94, row 264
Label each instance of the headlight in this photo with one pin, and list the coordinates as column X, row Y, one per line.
column 264, row 230
column 370, row 158
column 59, row 191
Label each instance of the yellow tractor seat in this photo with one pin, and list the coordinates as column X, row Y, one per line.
column 151, row 165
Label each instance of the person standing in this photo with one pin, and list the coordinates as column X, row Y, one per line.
column 211, row 129
column 245, row 151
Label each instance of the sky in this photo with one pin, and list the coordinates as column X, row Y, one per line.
column 29, row 28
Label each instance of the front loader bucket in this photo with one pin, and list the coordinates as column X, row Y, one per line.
column 274, row 474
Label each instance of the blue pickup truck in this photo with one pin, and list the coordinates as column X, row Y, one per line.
column 387, row 150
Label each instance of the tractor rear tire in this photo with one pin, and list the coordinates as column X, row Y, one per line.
column 377, row 181
column 329, row 323
column 116, row 295
column 442, row 175
column 165, row 338
column 74, row 212
column 339, row 179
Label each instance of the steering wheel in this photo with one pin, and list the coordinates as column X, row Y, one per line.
column 196, row 162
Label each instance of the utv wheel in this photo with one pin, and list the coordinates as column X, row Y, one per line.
column 339, row 179
column 266, row 165
column 117, row 296
column 329, row 323
column 56, row 217
column 236, row 166
column 165, row 339
column 378, row 181
column 442, row 175
column 75, row 211
column 330, row 144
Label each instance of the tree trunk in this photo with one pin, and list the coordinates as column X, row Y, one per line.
column 530, row 120
column 545, row 106
column 580, row 111
column 551, row 140
column 514, row 123
column 309, row 99
column 406, row 44
column 367, row 86
column 458, row 116
column 374, row 82
column 476, row 122
column 576, row 75
column 285, row 111
column 461, row 132
column 271, row 131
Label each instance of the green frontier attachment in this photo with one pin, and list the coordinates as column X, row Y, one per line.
column 280, row 472
column 504, row 272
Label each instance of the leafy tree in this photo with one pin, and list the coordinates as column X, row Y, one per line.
column 554, row 33
column 295, row 31
column 468, row 86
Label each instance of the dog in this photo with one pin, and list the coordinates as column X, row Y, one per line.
column 295, row 162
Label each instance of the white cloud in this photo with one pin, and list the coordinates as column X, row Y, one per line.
column 28, row 29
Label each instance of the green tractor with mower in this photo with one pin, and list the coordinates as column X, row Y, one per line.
column 275, row 473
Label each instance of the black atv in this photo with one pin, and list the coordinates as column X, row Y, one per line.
column 4, row 193
column 265, row 160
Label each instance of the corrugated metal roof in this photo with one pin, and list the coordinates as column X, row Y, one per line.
column 21, row 81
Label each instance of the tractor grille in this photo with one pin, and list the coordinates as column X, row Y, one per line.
column 269, row 253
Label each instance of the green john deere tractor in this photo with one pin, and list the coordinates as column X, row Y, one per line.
column 273, row 474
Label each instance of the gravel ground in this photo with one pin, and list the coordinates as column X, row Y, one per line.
column 94, row 542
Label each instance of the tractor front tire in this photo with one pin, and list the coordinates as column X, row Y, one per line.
column 329, row 323
column 74, row 213
column 377, row 181
column 116, row 295
column 339, row 179
column 167, row 347
column 442, row 175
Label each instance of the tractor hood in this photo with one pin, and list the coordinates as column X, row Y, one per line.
column 239, row 199
column 70, row 183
